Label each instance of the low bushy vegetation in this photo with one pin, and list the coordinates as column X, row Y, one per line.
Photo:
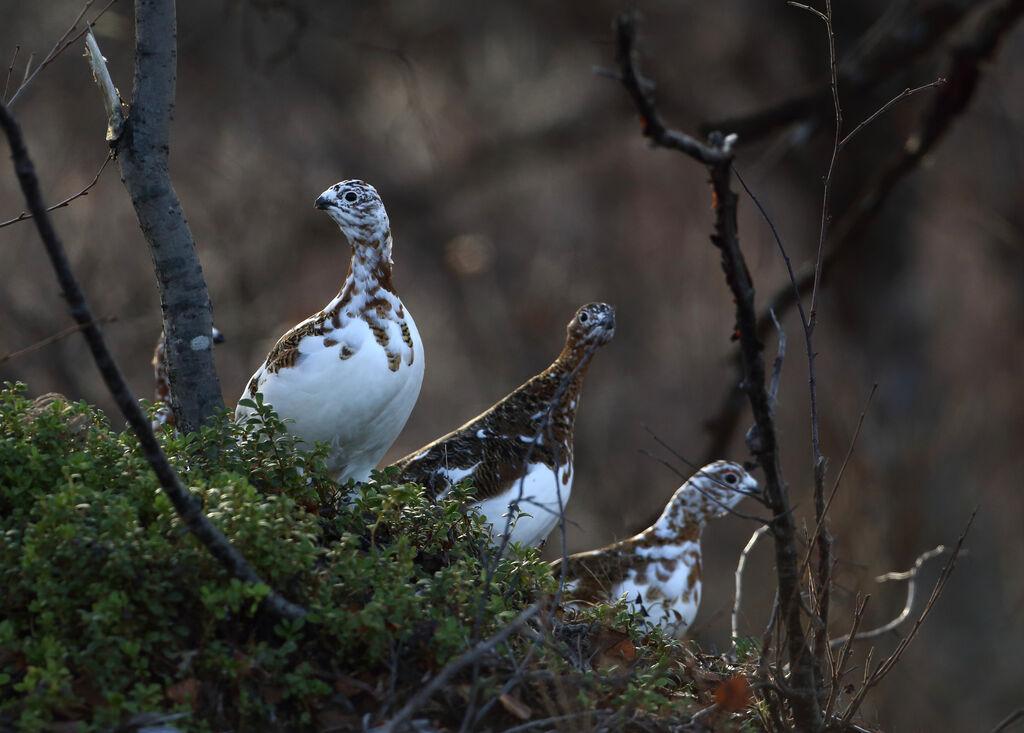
column 112, row 614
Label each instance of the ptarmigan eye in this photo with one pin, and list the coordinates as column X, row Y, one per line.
column 731, row 479
column 584, row 318
column 351, row 197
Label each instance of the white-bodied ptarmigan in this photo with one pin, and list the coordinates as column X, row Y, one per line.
column 164, row 414
column 519, row 452
column 659, row 570
column 349, row 375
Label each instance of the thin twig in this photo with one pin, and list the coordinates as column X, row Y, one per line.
column 911, row 577
column 964, row 72
column 10, row 71
column 84, row 192
column 844, row 655
column 885, row 107
column 54, row 338
column 886, row 666
column 444, row 676
column 553, row 721
column 839, row 476
column 1009, row 720
column 187, row 508
column 740, row 566
column 717, row 156
column 60, row 47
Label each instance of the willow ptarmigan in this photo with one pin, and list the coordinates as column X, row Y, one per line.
column 164, row 414
column 519, row 452
column 349, row 375
column 659, row 570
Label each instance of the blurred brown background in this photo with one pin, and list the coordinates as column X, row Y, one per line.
column 519, row 188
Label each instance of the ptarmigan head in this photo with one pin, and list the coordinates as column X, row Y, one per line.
column 593, row 325
column 709, row 493
column 357, row 208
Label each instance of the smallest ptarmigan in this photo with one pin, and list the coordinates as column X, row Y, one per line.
column 519, row 452
column 164, row 414
column 659, row 570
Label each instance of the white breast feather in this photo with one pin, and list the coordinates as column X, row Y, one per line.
column 356, row 405
column 536, row 494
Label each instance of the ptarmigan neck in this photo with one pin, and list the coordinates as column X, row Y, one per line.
column 369, row 272
column 682, row 518
column 565, row 379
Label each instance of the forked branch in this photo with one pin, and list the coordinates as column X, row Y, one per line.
column 717, row 156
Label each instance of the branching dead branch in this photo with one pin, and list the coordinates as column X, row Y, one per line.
column 911, row 577
column 975, row 45
column 884, row 667
column 188, row 509
column 717, row 156
column 473, row 655
column 70, row 37
column 906, row 32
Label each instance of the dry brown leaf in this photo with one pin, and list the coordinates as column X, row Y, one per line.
column 734, row 694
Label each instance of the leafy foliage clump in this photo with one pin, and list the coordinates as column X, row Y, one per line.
column 114, row 615
column 111, row 610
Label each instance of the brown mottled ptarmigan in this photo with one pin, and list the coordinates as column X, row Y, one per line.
column 519, row 452
column 349, row 375
column 659, row 570
column 164, row 414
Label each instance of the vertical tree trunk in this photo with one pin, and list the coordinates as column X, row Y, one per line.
column 142, row 154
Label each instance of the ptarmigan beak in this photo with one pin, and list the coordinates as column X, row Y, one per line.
column 323, row 202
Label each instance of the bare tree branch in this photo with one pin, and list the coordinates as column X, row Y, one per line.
column 974, row 46
column 740, row 566
column 64, row 333
column 911, row 577
column 71, row 35
column 188, row 509
column 902, row 35
column 84, row 192
column 1009, row 720
column 442, row 678
column 717, row 155
column 142, row 146
column 884, row 667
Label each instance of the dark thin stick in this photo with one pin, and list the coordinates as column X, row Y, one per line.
column 553, row 721
column 60, row 47
column 10, row 71
column 911, row 577
column 84, row 192
column 717, row 155
column 844, row 655
column 839, row 476
column 188, row 509
column 822, row 537
column 53, row 339
column 951, row 100
column 885, row 107
column 1009, row 720
column 444, row 676
column 886, row 666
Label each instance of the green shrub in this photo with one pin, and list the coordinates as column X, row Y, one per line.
column 110, row 608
